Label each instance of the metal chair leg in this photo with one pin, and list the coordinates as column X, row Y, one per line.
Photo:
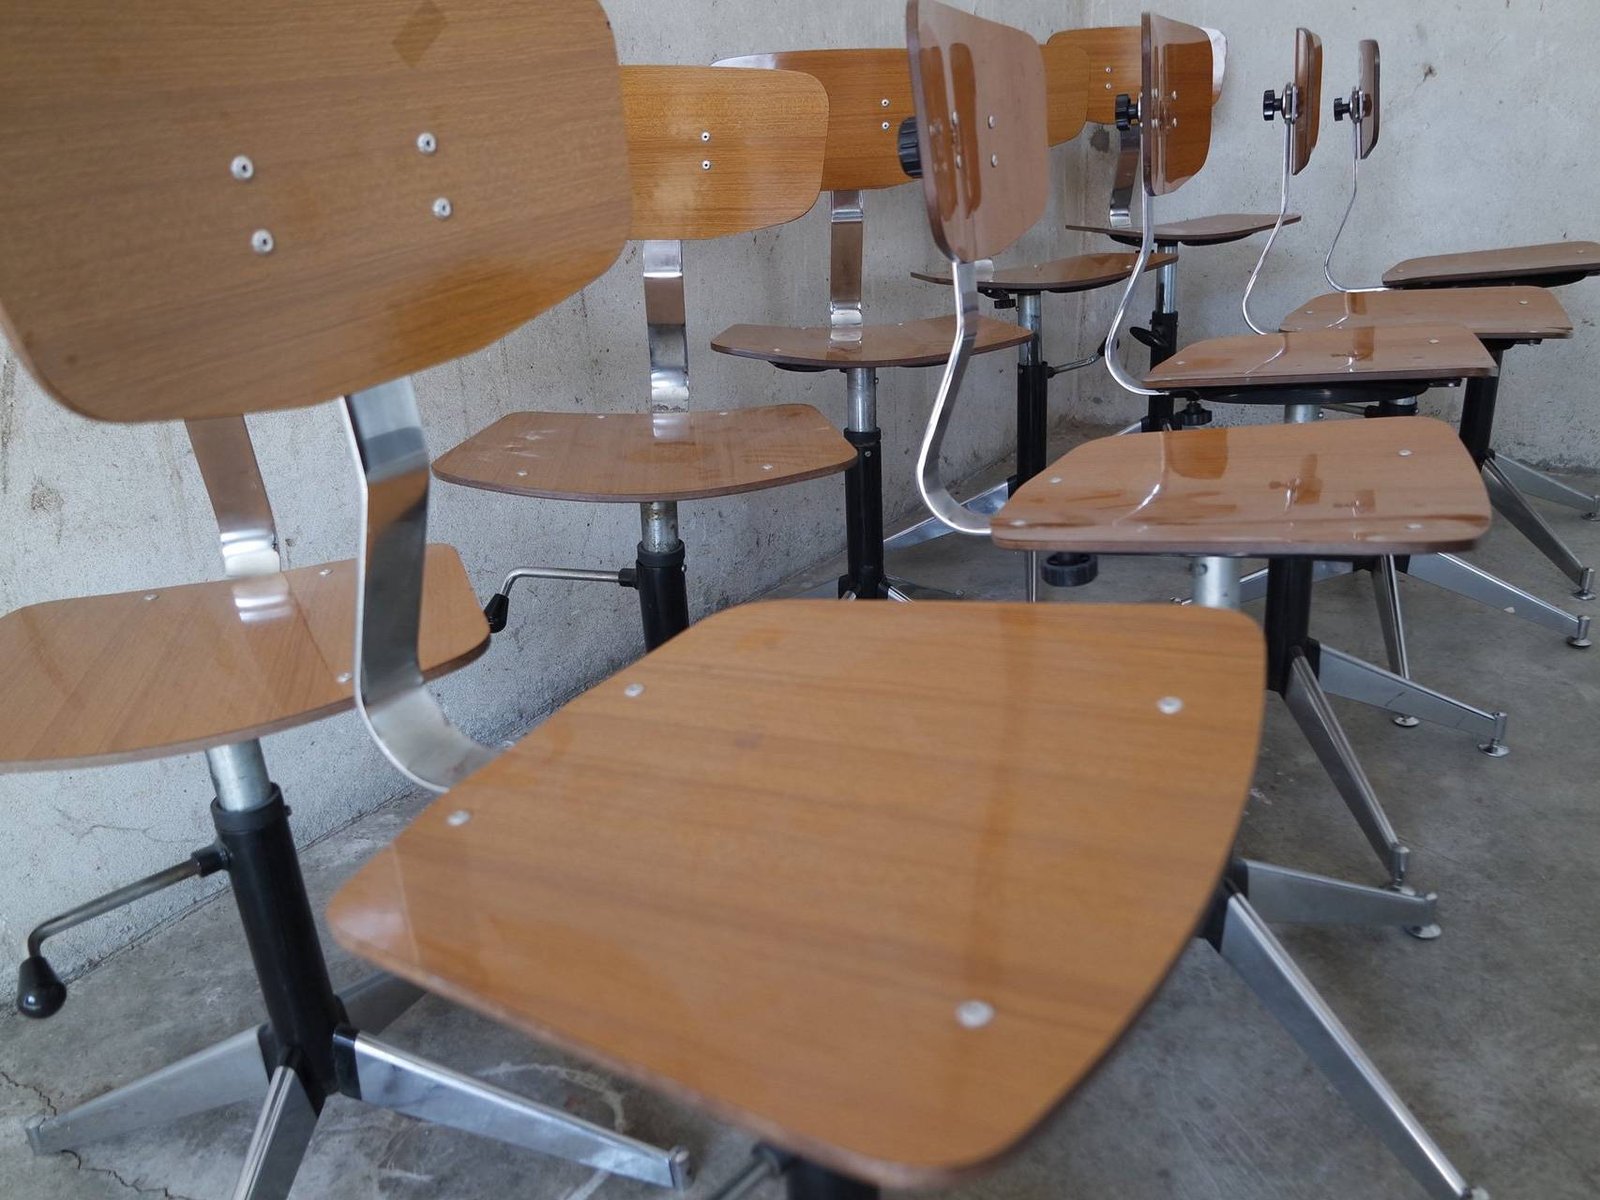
column 1247, row 945
column 1457, row 575
column 1285, row 896
column 1317, row 721
column 387, row 1077
column 278, row 1146
column 1536, row 483
column 223, row 1074
column 1386, row 589
column 1345, row 675
column 1254, row 585
column 1514, row 507
column 929, row 528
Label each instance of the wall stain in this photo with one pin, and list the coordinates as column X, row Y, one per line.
column 8, row 416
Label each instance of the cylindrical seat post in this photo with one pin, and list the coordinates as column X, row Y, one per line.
column 863, row 489
column 660, row 580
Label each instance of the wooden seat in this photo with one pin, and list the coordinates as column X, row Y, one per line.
column 137, row 675
column 1369, row 354
column 1080, row 273
column 648, row 456
column 924, row 343
column 781, row 869
column 1511, row 314
column 1400, row 485
column 1196, row 231
column 1563, row 262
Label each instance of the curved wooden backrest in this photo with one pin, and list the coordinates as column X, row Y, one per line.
column 1308, row 80
column 1066, row 81
column 1175, row 108
column 1367, row 56
column 1115, row 58
column 980, row 95
column 869, row 94
column 210, row 207
column 715, row 152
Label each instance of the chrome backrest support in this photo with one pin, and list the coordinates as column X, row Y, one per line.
column 232, row 476
column 1147, row 241
column 846, row 233
column 664, row 321
column 1290, row 115
column 402, row 715
column 935, row 493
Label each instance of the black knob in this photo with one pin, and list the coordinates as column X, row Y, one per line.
column 910, row 152
column 1341, row 108
column 1069, row 570
column 40, row 992
column 1271, row 104
column 1124, row 111
column 495, row 611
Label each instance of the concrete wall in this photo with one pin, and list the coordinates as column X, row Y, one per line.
column 1484, row 104
column 87, row 509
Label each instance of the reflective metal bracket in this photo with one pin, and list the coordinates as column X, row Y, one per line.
column 1113, row 353
column 845, row 267
column 665, row 321
column 930, row 483
column 1291, row 115
column 232, row 476
column 1127, row 175
column 402, row 716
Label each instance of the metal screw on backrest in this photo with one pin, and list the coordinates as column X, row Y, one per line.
column 884, row 102
column 427, row 143
column 242, row 167
column 442, row 208
column 705, row 135
column 705, row 164
column 261, row 241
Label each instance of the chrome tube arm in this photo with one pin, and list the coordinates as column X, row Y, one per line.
column 402, row 716
column 1283, row 212
column 1113, row 352
column 935, row 494
column 664, row 325
column 1126, row 177
column 846, row 234
column 1355, row 188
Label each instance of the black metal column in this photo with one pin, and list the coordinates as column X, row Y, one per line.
column 1288, row 617
column 302, row 1009
column 1162, row 336
column 1477, row 408
column 1033, row 395
column 807, row 1181
column 663, row 594
column 863, row 516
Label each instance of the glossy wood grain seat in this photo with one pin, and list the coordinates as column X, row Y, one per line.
column 1196, row 231
column 1344, row 356
column 648, row 456
column 923, row 343
column 137, row 675
column 1490, row 313
column 1551, row 261
column 781, row 868
column 1080, row 273
column 1395, row 486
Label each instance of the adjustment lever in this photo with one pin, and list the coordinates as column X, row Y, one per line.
column 40, row 992
column 499, row 604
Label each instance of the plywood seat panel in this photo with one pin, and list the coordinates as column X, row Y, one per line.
column 1492, row 313
column 137, row 675
column 641, row 457
column 923, row 343
column 1397, row 485
column 764, row 867
column 1196, row 231
column 1080, row 273
column 1371, row 354
column 1549, row 259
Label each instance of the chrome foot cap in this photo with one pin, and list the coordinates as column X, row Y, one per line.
column 1407, row 722
column 1579, row 643
column 1423, row 933
column 1495, row 749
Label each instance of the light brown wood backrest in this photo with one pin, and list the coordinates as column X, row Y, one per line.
column 1175, row 111
column 1116, row 65
column 1066, row 81
column 1308, row 79
column 149, row 150
column 714, row 153
column 980, row 128
column 869, row 94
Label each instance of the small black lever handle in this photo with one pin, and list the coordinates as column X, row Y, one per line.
column 910, row 152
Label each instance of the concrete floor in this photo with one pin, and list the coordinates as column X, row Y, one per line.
column 1492, row 1032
